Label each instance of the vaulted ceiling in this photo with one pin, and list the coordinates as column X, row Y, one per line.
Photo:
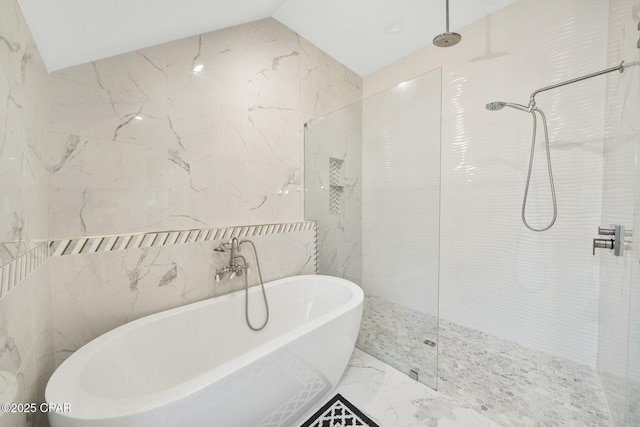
column 365, row 35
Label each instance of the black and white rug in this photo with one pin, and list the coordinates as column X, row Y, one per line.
column 339, row 412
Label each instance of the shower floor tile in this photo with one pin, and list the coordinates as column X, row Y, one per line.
column 508, row 383
column 392, row 399
column 396, row 334
column 515, row 385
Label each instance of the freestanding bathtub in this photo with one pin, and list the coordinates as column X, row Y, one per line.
column 200, row 365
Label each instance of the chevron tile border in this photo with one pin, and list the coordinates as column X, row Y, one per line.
column 316, row 242
column 16, row 271
column 88, row 245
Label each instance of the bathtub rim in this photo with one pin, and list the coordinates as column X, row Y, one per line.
column 110, row 408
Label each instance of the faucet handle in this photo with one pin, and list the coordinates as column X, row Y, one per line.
column 606, row 231
column 222, row 247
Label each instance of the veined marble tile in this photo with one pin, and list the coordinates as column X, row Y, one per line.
column 336, row 137
column 16, row 39
column 12, row 148
column 206, row 61
column 207, row 93
column 325, row 84
column 273, row 178
column 134, row 77
column 93, row 276
column 275, row 192
column 267, row 209
column 82, row 211
column 12, row 227
column 274, row 123
column 392, row 399
column 9, row 251
column 94, row 293
column 207, row 173
column 40, row 298
column 219, row 129
column 193, row 209
column 24, row 217
column 95, row 111
column 16, row 326
column 274, row 66
column 274, row 135
column 82, row 162
column 24, row 122
column 36, row 204
column 76, row 325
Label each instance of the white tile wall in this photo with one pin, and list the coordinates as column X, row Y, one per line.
column 540, row 290
column 401, row 193
column 618, row 274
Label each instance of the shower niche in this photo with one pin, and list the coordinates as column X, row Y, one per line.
column 336, row 186
column 372, row 181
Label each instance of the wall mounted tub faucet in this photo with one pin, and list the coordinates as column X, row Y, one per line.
column 233, row 269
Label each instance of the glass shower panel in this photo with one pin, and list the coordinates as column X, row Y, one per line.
column 333, row 190
column 400, row 225
column 372, row 181
column 633, row 349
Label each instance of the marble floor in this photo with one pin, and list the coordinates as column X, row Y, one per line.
column 392, row 399
column 396, row 334
column 508, row 383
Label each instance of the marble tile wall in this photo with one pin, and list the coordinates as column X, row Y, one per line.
column 26, row 343
column 537, row 289
column 203, row 131
column 617, row 274
column 198, row 133
column 94, row 293
column 336, row 138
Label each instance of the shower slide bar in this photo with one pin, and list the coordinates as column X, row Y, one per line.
column 620, row 68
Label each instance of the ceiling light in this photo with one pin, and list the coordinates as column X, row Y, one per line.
column 394, row 27
column 198, row 68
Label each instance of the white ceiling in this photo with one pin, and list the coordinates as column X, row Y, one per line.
column 355, row 32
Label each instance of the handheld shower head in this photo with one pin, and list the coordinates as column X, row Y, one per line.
column 499, row 105
column 495, row 106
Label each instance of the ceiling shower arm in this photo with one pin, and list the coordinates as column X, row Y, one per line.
column 620, row 68
column 447, row 16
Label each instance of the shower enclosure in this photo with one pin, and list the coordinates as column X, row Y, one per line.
column 372, row 181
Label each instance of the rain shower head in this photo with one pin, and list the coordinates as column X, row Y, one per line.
column 499, row 105
column 448, row 38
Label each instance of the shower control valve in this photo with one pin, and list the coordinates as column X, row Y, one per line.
column 606, row 231
column 602, row 244
column 616, row 242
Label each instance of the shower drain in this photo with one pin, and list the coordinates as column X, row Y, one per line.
column 430, row 343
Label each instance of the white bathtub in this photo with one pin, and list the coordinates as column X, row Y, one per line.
column 200, row 365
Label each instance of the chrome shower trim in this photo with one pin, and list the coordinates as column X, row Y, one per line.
column 499, row 105
column 621, row 67
column 447, row 39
